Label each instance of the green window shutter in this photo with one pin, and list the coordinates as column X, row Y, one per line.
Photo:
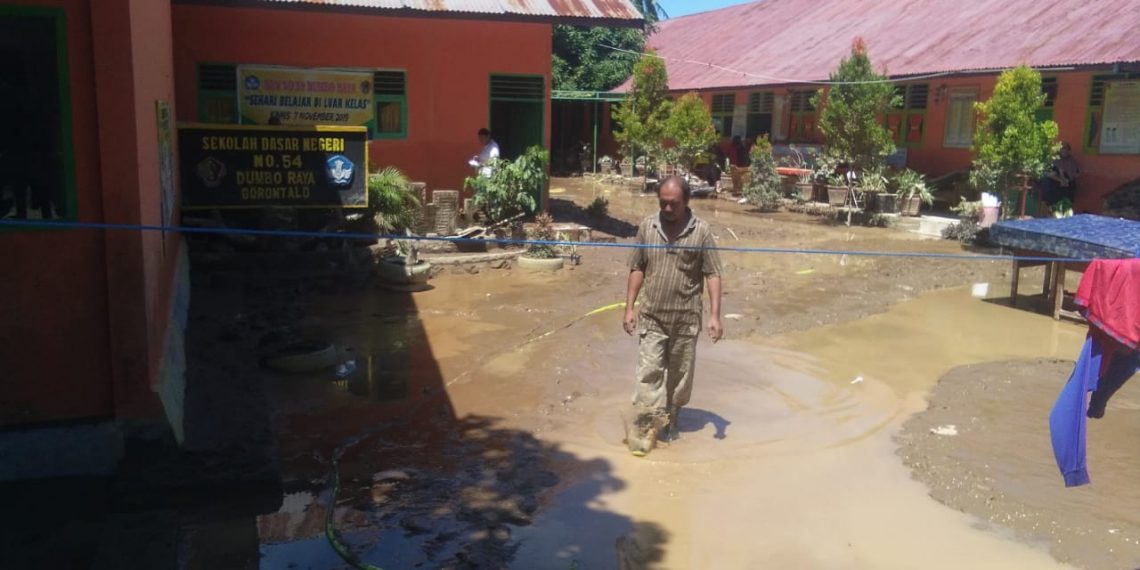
column 217, row 93
column 390, row 105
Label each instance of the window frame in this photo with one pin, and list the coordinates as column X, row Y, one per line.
column 726, row 117
column 374, row 125
column 806, row 109
column 66, row 112
column 1096, row 108
column 906, row 110
column 1045, row 113
column 960, row 93
column 766, row 100
column 205, row 95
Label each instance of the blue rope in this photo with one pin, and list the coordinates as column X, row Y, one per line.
column 374, row 237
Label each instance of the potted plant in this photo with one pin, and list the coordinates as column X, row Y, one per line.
column 836, row 189
column 802, row 179
column 912, row 192
column 805, row 189
column 541, row 256
column 875, row 190
column 822, row 176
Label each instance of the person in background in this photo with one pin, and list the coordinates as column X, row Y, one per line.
column 490, row 150
column 741, row 152
column 1060, row 183
column 727, row 153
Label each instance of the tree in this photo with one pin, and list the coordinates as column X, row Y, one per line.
column 1010, row 142
column 853, row 110
column 643, row 115
column 690, row 128
column 582, row 63
column 583, row 59
column 764, row 185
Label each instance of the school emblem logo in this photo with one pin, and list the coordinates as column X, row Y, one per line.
column 252, row 82
column 211, row 171
column 340, row 170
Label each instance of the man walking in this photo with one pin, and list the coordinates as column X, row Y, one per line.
column 680, row 257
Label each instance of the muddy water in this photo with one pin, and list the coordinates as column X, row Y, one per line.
column 783, row 461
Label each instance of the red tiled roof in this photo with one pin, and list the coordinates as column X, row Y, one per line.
column 613, row 12
column 787, row 40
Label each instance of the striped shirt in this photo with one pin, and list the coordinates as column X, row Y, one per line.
column 675, row 275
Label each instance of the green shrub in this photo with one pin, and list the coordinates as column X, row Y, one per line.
column 764, row 187
column 543, row 231
column 513, row 185
column 391, row 201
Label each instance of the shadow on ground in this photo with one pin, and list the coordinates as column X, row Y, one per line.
column 565, row 210
column 251, row 485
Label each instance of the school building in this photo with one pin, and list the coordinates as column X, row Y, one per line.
column 754, row 63
column 92, row 336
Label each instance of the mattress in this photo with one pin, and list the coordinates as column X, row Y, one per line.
column 1084, row 236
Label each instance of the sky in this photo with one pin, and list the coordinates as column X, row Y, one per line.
column 677, row 8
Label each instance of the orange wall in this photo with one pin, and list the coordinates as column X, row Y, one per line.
column 448, row 63
column 1100, row 174
column 86, row 319
column 135, row 70
column 932, row 157
column 53, row 333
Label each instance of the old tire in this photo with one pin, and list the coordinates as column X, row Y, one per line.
column 540, row 264
column 396, row 271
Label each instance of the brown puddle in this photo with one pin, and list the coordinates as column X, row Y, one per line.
column 805, row 474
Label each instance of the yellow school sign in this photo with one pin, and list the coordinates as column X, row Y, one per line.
column 296, row 96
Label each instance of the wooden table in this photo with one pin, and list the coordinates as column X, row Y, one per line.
column 1054, row 283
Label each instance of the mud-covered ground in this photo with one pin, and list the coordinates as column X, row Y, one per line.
column 482, row 425
column 998, row 464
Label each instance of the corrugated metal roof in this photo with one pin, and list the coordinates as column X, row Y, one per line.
column 805, row 39
column 612, row 10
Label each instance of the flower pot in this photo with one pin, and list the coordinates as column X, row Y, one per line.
column 910, row 206
column 836, row 195
column 871, row 200
column 887, row 203
column 989, row 216
column 819, row 191
column 788, row 186
column 540, row 264
column 805, row 191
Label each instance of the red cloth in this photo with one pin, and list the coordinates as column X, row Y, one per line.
column 1110, row 294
